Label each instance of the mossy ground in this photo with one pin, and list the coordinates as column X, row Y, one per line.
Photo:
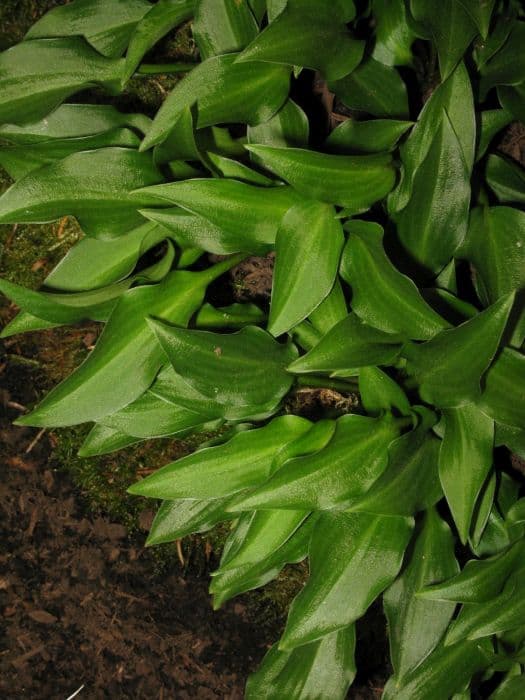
column 27, row 254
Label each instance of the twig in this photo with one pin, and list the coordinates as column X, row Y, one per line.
column 179, row 552
column 16, row 405
column 35, row 440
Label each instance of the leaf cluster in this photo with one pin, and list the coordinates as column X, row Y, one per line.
column 399, row 242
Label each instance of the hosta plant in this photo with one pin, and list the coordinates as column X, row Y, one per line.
column 399, row 275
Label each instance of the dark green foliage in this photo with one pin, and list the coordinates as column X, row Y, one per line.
column 399, row 269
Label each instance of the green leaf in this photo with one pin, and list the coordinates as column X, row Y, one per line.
column 351, row 343
column 512, row 100
column 465, row 459
column 216, row 472
column 434, row 222
column 73, row 121
column 152, row 417
column 506, row 612
column 106, row 24
column 355, row 182
column 410, row 482
column 381, row 393
column 321, row 669
column 102, row 440
column 506, row 179
column 504, row 388
column 381, row 295
column 416, row 625
column 36, row 76
column 449, row 367
column 394, row 35
column 232, row 169
column 331, row 310
column 171, row 387
column 176, row 519
column 445, row 672
column 18, row 161
column 308, row 247
column 223, row 26
column 233, row 316
column 453, row 98
column 506, row 66
column 242, row 371
column 308, row 34
column 93, row 186
column 452, row 29
column 335, row 476
column 125, row 360
column 162, row 17
column 341, row 586
column 480, row 12
column 492, row 121
column 262, row 534
column 239, row 217
column 224, row 92
column 245, row 578
column 92, row 263
column 370, row 136
column 288, row 127
column 374, row 88
column 511, row 688
column 479, row 581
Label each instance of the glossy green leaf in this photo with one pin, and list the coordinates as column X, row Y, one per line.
column 171, row 387
column 106, row 24
column 239, row 217
column 445, row 672
column 341, row 586
column 241, row 371
column 512, row 99
column 410, row 482
column 453, row 98
column 230, row 168
column 331, row 310
column 92, row 263
column 479, row 581
column 321, row 669
column 102, row 440
column 394, row 35
column 216, row 472
column 125, row 360
column 492, row 121
column 506, row 612
column 416, row 625
column 163, row 16
column 264, row 532
column 308, row 243
column 152, row 417
column 244, row 578
column 224, row 91
column 36, row 76
column 374, row 88
column 176, row 519
column 504, row 388
column 309, row 34
column 73, row 121
column 381, row 393
column 506, row 66
column 351, row 343
column 511, row 437
column 288, row 127
column 465, row 459
column 434, row 222
column 381, row 295
column 370, row 136
column 18, row 161
column 93, row 186
column 480, row 11
column 233, row 316
column 355, row 182
column 335, row 476
column 512, row 688
column 506, row 179
column 451, row 29
column 222, row 26
column 449, row 367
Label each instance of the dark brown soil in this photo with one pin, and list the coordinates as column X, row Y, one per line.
column 83, row 603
